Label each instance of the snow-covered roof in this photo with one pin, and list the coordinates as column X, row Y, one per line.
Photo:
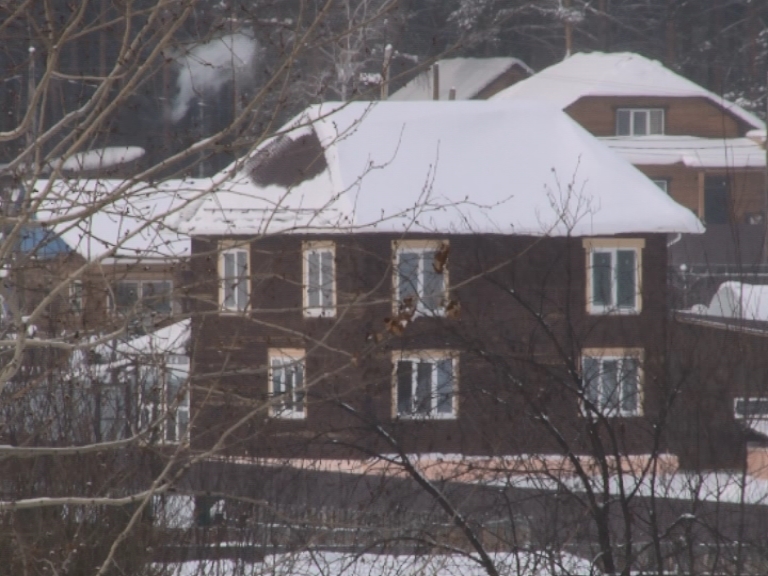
column 99, row 158
column 737, row 300
column 467, row 75
column 688, row 150
column 614, row 74
column 510, row 166
column 118, row 219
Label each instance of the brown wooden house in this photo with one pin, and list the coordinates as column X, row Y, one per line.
column 691, row 142
column 390, row 278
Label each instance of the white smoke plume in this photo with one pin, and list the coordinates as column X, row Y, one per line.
column 206, row 68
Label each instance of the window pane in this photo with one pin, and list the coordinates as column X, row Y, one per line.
column 657, row 122
column 298, row 372
column 289, row 381
column 408, row 275
column 626, row 271
column 327, row 278
column 591, row 375
column 278, row 386
column 182, row 421
column 126, row 296
column 625, row 277
column 433, row 283
column 156, row 296
column 313, row 279
column 229, row 279
column 404, row 387
column 423, row 400
column 609, row 394
column 629, row 384
column 640, row 123
column 622, row 123
column 242, row 280
column 445, row 386
column 601, row 278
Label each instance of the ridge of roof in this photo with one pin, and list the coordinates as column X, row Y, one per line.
column 614, row 74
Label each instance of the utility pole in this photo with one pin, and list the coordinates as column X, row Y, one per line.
column 385, row 71
column 568, row 27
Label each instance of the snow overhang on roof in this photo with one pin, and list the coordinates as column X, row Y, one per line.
column 615, row 74
column 511, row 167
column 468, row 76
column 118, row 219
column 690, row 151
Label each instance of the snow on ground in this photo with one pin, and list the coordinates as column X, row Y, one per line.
column 614, row 74
column 511, row 167
column 739, row 301
column 347, row 564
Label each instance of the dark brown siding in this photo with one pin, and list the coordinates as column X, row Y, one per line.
column 684, row 116
column 523, row 319
column 712, row 363
column 685, row 185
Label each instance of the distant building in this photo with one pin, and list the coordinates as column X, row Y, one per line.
column 690, row 141
column 468, row 78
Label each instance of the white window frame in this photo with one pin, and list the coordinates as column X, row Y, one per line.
column 430, row 357
column 326, row 308
column 619, row 355
column 748, row 399
column 162, row 411
column 613, row 246
column 419, row 247
column 279, row 360
column 234, row 248
column 634, row 114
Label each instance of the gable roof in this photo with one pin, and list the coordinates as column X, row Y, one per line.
column 614, row 74
column 512, row 167
column 467, row 75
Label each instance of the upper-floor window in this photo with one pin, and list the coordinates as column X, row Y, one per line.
column 421, row 275
column 425, row 384
column 614, row 275
column 319, row 279
column 639, row 121
column 286, row 384
column 234, row 273
column 153, row 296
column 612, row 382
column 662, row 183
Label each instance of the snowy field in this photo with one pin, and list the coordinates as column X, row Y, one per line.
column 339, row 564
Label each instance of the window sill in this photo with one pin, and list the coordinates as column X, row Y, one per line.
column 319, row 313
column 610, row 311
column 421, row 418
column 288, row 416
